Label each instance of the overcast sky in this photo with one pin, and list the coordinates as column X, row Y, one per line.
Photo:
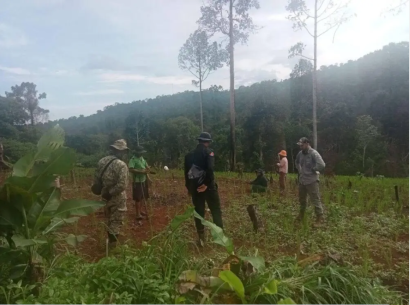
column 87, row 54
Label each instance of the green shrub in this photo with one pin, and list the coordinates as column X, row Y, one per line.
column 90, row 161
column 14, row 150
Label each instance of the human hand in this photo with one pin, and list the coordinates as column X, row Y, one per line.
column 202, row 188
column 106, row 196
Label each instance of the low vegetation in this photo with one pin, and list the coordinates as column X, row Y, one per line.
column 360, row 255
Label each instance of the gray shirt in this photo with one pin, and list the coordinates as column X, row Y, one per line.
column 307, row 165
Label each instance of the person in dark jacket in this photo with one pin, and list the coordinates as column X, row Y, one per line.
column 200, row 183
column 260, row 184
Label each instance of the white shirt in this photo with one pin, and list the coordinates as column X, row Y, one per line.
column 283, row 165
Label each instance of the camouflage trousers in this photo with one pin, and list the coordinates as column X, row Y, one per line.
column 314, row 195
column 115, row 211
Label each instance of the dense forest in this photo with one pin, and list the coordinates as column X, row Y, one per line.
column 362, row 111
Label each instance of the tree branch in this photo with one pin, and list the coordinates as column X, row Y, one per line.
column 301, row 55
column 193, row 73
column 337, row 24
column 303, row 24
column 325, row 10
column 331, row 14
column 334, row 34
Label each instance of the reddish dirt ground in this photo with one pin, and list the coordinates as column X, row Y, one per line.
column 168, row 198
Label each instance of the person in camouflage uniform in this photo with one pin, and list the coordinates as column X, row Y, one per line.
column 309, row 164
column 114, row 182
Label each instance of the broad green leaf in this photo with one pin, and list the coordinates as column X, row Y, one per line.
column 179, row 219
column 180, row 300
column 257, row 262
column 234, row 282
column 77, row 207
column 42, row 211
column 271, row 287
column 74, row 240
column 24, row 165
column 217, row 234
column 286, row 301
column 60, row 162
column 26, row 183
column 11, row 200
column 51, row 140
column 20, row 241
column 57, row 222
column 192, row 276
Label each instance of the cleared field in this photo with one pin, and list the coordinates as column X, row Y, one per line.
column 365, row 225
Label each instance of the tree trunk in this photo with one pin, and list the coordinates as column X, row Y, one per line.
column 32, row 118
column 314, row 80
column 200, row 106
column 364, row 155
column 232, row 88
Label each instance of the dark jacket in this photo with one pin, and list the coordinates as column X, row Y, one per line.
column 204, row 158
column 260, row 184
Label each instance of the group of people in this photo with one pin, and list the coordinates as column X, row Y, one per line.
column 200, row 182
column 260, row 184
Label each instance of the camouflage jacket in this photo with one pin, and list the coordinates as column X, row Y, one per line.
column 309, row 164
column 115, row 178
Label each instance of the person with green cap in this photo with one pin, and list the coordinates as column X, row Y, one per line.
column 200, row 183
column 112, row 172
column 139, row 168
column 260, row 184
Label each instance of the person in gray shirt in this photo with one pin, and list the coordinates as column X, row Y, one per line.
column 309, row 164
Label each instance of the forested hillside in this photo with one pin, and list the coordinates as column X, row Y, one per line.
column 354, row 98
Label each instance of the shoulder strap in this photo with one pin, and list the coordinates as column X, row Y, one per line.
column 105, row 168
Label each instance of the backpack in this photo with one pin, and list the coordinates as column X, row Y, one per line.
column 196, row 175
column 97, row 187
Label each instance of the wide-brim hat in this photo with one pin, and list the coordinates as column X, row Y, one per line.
column 140, row 150
column 260, row 171
column 283, row 153
column 205, row 137
column 120, row 145
column 303, row 140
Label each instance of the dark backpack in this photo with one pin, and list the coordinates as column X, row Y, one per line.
column 196, row 175
column 97, row 187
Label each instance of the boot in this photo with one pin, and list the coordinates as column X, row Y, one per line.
column 112, row 240
column 201, row 240
column 319, row 221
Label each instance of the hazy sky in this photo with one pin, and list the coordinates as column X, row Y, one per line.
column 87, row 54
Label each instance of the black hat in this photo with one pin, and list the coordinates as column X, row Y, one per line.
column 140, row 150
column 205, row 137
column 303, row 141
column 260, row 171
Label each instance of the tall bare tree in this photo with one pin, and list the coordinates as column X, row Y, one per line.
column 324, row 16
column 230, row 18
column 200, row 57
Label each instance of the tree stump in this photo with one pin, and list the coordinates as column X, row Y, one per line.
column 72, row 174
column 255, row 218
